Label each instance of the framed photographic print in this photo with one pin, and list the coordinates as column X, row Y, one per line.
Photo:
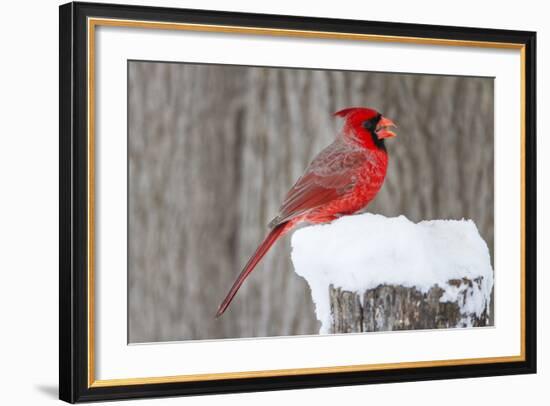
column 256, row 202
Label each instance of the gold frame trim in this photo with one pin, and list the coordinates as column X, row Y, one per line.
column 94, row 22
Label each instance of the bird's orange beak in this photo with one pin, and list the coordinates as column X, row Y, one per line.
column 382, row 130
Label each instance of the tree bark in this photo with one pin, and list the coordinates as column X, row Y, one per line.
column 395, row 307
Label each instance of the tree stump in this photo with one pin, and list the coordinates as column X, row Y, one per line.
column 394, row 307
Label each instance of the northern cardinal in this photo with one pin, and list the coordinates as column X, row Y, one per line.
column 342, row 179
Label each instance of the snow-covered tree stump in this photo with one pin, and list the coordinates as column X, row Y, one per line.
column 371, row 273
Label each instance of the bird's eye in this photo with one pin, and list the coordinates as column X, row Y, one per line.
column 369, row 124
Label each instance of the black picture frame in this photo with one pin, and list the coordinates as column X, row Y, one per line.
column 73, row 255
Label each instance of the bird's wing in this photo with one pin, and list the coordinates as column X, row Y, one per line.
column 329, row 176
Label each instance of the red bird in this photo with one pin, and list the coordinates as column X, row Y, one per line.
column 341, row 180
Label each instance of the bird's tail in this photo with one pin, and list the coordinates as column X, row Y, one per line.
column 274, row 235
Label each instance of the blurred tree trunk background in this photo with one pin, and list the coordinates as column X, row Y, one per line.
column 212, row 151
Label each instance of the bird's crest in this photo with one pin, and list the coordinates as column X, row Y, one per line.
column 345, row 112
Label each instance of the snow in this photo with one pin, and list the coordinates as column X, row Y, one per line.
column 361, row 252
